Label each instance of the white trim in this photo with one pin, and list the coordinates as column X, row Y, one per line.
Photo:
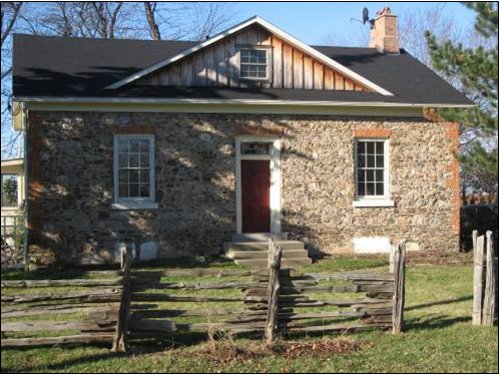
column 272, row 29
column 12, row 162
column 380, row 200
column 260, row 102
column 275, row 188
column 221, row 106
column 129, row 205
column 375, row 203
column 134, row 203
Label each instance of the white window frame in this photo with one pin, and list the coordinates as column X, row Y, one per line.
column 373, row 200
column 131, row 203
column 274, row 190
column 252, row 48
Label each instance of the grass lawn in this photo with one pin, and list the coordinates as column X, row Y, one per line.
column 438, row 338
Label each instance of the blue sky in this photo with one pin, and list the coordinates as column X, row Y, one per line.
column 312, row 22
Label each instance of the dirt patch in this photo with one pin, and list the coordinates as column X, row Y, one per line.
column 225, row 351
column 439, row 258
column 322, row 348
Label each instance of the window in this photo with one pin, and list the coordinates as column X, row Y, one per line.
column 134, row 168
column 9, row 190
column 256, row 148
column 253, row 63
column 372, row 169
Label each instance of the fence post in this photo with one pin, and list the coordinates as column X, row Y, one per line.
column 478, row 280
column 26, row 255
column 273, row 292
column 490, row 284
column 474, row 241
column 399, row 287
column 391, row 258
column 120, row 342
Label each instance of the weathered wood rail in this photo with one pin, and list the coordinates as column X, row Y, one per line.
column 272, row 301
column 86, row 315
column 484, row 307
column 131, row 303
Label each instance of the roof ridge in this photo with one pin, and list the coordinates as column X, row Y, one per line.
column 163, row 41
column 346, row 47
column 104, row 39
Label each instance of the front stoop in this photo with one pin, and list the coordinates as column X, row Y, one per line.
column 251, row 250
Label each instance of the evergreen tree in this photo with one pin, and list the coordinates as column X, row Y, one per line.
column 477, row 71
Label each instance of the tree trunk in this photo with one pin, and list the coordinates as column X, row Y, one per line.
column 154, row 30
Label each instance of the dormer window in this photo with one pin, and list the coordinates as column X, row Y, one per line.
column 253, row 64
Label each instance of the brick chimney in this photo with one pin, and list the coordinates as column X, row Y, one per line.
column 384, row 32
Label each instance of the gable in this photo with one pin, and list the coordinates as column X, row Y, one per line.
column 275, row 32
column 218, row 65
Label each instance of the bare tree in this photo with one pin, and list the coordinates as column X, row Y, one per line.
column 150, row 10
column 330, row 40
column 9, row 15
column 209, row 18
column 95, row 19
column 414, row 23
column 189, row 20
column 10, row 10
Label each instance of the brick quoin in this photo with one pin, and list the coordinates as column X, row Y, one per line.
column 134, row 129
column 259, row 131
column 453, row 133
column 36, row 188
column 372, row 133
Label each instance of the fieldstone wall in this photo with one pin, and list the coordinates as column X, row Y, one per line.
column 71, row 182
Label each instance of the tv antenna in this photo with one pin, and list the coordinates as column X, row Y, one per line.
column 365, row 17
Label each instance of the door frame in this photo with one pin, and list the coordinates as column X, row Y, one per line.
column 274, row 189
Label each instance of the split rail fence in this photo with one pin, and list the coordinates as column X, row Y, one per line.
column 138, row 304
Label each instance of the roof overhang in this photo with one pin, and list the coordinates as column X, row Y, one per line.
column 272, row 29
column 46, row 99
column 12, row 162
column 257, row 106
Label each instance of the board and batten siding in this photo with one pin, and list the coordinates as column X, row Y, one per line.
column 218, row 66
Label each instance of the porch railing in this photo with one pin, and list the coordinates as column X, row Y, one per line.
column 13, row 253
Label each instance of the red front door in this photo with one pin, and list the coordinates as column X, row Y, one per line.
column 255, row 184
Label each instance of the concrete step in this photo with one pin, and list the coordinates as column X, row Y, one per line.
column 264, row 246
column 258, row 237
column 285, row 263
column 255, row 255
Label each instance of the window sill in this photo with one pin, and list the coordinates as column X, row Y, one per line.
column 255, row 79
column 380, row 203
column 134, row 205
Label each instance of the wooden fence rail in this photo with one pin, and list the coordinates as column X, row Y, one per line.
column 98, row 300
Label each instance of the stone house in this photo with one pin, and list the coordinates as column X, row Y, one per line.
column 180, row 145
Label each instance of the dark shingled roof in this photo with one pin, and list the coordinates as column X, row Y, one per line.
column 81, row 67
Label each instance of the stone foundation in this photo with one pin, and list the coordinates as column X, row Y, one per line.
column 71, row 182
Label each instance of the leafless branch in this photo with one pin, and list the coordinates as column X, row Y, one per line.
column 14, row 7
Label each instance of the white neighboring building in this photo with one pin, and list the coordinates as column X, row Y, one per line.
column 12, row 186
